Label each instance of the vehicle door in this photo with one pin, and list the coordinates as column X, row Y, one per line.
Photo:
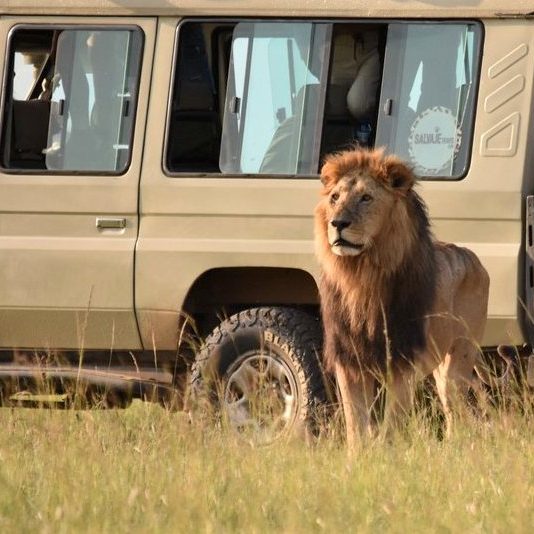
column 74, row 103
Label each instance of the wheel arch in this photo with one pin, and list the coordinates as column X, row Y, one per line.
column 221, row 292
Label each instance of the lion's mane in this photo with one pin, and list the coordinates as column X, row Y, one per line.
column 374, row 305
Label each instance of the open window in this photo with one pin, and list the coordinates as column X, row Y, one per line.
column 70, row 99
column 199, row 87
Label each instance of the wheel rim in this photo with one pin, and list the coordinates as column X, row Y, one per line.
column 260, row 397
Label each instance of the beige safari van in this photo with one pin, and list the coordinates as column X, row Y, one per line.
column 159, row 169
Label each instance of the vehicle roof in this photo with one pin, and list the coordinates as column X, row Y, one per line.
column 296, row 8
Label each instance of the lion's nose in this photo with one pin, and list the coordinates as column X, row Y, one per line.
column 339, row 224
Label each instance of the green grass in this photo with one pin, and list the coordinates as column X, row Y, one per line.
column 146, row 469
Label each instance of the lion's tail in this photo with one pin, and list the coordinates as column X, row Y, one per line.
column 492, row 379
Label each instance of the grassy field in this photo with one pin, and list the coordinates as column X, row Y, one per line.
column 148, row 470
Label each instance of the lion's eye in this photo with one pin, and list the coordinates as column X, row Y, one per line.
column 366, row 198
column 334, row 198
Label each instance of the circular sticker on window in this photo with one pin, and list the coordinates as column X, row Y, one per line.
column 434, row 140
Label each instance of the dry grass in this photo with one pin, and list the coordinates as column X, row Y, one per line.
column 146, row 469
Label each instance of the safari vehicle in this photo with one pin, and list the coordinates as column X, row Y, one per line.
column 159, row 170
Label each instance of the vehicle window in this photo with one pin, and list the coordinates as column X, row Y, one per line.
column 70, row 99
column 428, row 96
column 273, row 98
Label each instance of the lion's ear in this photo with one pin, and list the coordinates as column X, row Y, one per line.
column 399, row 176
column 328, row 175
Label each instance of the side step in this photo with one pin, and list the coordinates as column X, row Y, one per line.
column 62, row 385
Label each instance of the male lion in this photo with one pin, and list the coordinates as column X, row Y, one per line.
column 396, row 304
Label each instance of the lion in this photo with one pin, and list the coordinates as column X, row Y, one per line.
column 397, row 305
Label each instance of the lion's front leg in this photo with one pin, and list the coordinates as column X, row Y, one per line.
column 400, row 391
column 357, row 392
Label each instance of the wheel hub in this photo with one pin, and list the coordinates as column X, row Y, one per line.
column 260, row 396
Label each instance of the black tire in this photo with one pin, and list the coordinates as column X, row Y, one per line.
column 257, row 363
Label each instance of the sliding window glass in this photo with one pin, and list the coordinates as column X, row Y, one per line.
column 428, row 96
column 275, row 98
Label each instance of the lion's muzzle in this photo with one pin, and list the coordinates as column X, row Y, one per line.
column 338, row 239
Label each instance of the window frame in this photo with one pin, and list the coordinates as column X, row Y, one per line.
column 477, row 70
column 8, row 67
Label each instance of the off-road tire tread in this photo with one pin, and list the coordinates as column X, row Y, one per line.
column 299, row 330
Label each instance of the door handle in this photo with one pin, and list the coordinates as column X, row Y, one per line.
column 113, row 223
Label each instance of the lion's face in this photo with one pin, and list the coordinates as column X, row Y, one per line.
column 355, row 211
column 363, row 199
